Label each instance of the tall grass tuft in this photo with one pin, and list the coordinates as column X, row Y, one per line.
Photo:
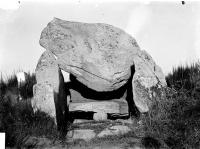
column 27, row 89
column 176, row 121
column 185, row 78
column 17, row 119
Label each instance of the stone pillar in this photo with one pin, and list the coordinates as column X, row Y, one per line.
column 49, row 93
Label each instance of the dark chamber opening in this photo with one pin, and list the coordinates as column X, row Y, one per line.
column 107, row 95
column 93, row 94
column 96, row 95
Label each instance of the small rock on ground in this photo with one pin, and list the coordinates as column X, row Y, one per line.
column 100, row 116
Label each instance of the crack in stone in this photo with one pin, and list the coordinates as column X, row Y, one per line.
column 91, row 73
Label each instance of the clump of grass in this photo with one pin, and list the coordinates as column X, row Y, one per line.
column 176, row 120
column 18, row 120
column 11, row 84
column 3, row 87
column 27, row 89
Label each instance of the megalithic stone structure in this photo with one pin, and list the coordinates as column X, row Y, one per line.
column 101, row 57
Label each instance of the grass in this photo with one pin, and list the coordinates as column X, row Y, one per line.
column 17, row 119
column 185, row 79
column 176, row 121
column 173, row 122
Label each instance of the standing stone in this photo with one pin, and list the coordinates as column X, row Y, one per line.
column 49, row 92
column 147, row 82
column 44, row 98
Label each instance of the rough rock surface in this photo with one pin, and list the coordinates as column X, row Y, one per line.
column 49, row 92
column 44, row 99
column 103, row 106
column 147, row 81
column 99, row 55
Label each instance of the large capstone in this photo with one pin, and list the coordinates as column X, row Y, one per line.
column 99, row 55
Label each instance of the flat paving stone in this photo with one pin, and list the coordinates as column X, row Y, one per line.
column 114, row 130
column 85, row 134
column 103, row 106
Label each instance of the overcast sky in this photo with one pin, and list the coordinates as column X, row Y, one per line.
column 168, row 31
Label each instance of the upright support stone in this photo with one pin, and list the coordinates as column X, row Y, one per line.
column 49, row 93
column 147, row 82
column 44, row 98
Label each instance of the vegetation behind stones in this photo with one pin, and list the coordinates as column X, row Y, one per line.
column 17, row 119
column 174, row 121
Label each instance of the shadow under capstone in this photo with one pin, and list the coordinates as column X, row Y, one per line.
column 93, row 94
column 88, row 93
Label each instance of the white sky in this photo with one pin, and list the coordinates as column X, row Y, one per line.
column 168, row 31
